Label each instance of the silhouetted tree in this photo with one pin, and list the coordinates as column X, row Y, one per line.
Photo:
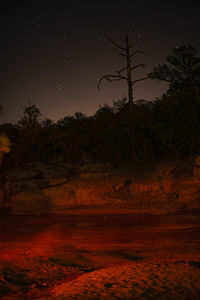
column 119, row 105
column 79, row 116
column 182, row 70
column 47, row 123
column 126, row 52
column 153, row 130
column 30, row 117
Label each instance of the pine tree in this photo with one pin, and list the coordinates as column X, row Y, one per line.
column 182, row 70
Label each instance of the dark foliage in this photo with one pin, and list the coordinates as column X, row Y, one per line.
column 182, row 70
column 167, row 127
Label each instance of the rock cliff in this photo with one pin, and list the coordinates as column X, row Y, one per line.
column 171, row 188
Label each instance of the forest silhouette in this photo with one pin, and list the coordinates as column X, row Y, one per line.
column 118, row 134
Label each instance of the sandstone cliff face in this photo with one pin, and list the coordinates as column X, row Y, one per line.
column 170, row 189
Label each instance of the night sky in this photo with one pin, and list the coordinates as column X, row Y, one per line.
column 54, row 52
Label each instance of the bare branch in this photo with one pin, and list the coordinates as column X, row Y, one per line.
column 111, row 77
column 137, row 52
column 127, row 54
column 118, row 72
column 122, row 54
column 115, row 44
column 141, row 79
column 137, row 66
column 130, row 46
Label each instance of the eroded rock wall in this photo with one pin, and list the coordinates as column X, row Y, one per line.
column 170, row 189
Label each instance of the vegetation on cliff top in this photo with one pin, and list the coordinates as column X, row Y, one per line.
column 165, row 128
column 147, row 131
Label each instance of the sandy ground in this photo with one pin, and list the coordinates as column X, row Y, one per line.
column 99, row 256
column 139, row 281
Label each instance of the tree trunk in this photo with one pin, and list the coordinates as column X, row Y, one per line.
column 128, row 64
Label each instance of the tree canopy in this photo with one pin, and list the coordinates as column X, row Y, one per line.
column 30, row 117
column 182, row 70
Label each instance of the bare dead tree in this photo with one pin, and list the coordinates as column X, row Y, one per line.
column 128, row 69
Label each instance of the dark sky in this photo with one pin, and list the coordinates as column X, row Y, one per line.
column 54, row 52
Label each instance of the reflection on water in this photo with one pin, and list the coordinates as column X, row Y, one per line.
column 82, row 231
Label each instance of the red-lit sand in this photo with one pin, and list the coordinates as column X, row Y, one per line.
column 99, row 256
column 138, row 281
